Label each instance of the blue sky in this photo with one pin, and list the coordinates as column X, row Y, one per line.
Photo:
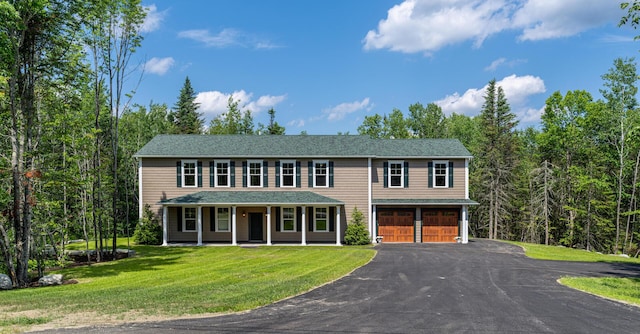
column 325, row 65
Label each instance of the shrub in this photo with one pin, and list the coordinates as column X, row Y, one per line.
column 148, row 231
column 356, row 232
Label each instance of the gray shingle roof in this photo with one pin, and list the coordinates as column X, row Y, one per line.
column 302, row 146
column 252, row 197
column 418, row 201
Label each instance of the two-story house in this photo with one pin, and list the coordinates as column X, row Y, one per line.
column 303, row 189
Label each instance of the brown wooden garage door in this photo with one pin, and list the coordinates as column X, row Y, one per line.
column 439, row 225
column 396, row 225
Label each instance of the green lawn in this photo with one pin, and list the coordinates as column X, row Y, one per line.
column 622, row 289
column 181, row 281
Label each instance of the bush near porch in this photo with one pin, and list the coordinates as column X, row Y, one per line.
column 168, row 282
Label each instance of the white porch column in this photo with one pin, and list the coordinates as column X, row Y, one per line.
column 465, row 225
column 269, row 225
column 199, row 227
column 234, row 230
column 374, row 234
column 338, row 226
column 165, row 214
column 304, row 226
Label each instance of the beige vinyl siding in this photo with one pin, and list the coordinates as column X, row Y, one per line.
column 419, row 181
column 350, row 182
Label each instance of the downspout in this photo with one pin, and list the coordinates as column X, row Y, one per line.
column 370, row 201
column 140, row 202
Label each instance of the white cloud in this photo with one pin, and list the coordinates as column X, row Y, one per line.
column 429, row 25
column 495, row 64
column 158, row 66
column 213, row 103
column 540, row 19
column 226, row 38
column 153, row 19
column 296, row 123
column 530, row 115
column 517, row 90
column 340, row 111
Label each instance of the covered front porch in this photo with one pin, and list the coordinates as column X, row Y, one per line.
column 253, row 217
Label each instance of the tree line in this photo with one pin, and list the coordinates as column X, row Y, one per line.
column 69, row 131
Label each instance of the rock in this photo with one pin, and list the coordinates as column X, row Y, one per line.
column 5, row 282
column 49, row 280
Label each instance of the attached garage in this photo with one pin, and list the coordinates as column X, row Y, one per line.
column 440, row 225
column 396, row 225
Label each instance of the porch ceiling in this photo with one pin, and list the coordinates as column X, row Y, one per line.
column 251, row 198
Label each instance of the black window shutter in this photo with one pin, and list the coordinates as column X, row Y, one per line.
column 212, row 218
column 212, row 182
column 199, row 174
column 310, row 174
column 179, row 211
column 430, row 167
column 265, row 174
column 179, row 173
column 244, row 174
column 277, row 218
column 330, row 174
column 277, row 174
column 450, row 174
column 298, row 219
column 232, row 181
column 385, row 167
column 298, row 177
column 332, row 218
column 406, row 174
column 311, row 219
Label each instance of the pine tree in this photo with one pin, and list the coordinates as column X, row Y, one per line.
column 497, row 159
column 185, row 117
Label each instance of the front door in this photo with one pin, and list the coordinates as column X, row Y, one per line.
column 255, row 226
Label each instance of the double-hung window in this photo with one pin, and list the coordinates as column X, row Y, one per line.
column 321, row 221
column 288, row 174
column 320, row 174
column 189, row 173
column 440, row 174
column 222, row 173
column 189, row 219
column 222, row 219
column 396, row 174
column 288, row 220
column 254, row 175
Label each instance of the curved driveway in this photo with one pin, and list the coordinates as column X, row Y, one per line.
column 482, row 287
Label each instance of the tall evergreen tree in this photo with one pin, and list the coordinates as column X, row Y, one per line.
column 185, row 116
column 497, row 157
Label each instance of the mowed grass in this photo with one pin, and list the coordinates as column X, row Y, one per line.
column 556, row 253
column 183, row 281
column 621, row 289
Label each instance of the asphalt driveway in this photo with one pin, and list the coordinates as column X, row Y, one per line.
column 482, row 287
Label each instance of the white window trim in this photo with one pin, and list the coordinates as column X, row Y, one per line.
column 195, row 164
column 249, row 162
column 215, row 173
column 326, row 162
column 184, row 220
column 282, row 162
column 295, row 216
column 315, row 217
column 218, row 219
column 446, row 173
column 401, row 162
